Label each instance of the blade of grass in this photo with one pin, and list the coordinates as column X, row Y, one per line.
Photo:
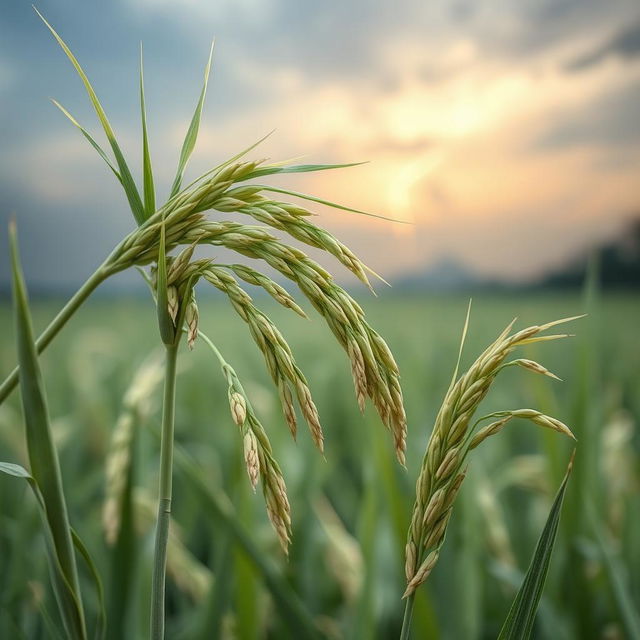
column 328, row 203
column 192, row 132
column 123, row 564
column 63, row 316
column 68, row 603
column 519, row 622
column 43, row 458
column 101, row 618
column 128, row 183
column 91, row 140
column 273, row 169
column 463, row 339
column 147, row 172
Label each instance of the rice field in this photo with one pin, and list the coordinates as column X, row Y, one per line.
column 227, row 576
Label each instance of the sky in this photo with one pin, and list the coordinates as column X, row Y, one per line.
column 505, row 133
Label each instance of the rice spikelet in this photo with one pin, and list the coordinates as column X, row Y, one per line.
column 443, row 468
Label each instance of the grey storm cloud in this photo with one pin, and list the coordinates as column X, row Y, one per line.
column 611, row 121
column 624, row 44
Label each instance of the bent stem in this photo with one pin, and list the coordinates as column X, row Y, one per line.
column 164, row 499
column 406, row 621
column 57, row 323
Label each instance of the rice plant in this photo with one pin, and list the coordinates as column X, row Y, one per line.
column 453, row 437
column 181, row 221
column 162, row 247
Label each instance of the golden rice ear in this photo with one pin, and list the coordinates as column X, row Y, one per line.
column 454, row 435
column 374, row 369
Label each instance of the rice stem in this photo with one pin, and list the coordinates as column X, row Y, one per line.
column 164, row 498
column 406, row 620
column 57, row 323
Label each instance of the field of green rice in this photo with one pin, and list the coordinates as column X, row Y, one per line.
column 351, row 510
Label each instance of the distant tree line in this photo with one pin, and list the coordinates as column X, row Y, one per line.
column 618, row 264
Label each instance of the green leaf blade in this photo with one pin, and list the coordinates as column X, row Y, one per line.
column 270, row 170
column 46, row 479
column 91, row 140
column 147, row 172
column 519, row 622
column 16, row 470
column 192, row 132
column 128, row 184
column 328, row 203
column 101, row 621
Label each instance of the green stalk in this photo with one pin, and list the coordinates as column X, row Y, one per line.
column 57, row 323
column 164, row 498
column 406, row 620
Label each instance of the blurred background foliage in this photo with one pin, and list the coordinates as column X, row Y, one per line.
column 350, row 511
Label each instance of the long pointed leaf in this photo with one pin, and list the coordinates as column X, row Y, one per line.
column 229, row 161
column 192, row 133
column 128, row 183
column 273, row 169
column 66, row 599
column 43, row 458
column 463, row 339
column 147, row 172
column 91, row 140
column 521, row 616
column 101, row 621
column 328, row 203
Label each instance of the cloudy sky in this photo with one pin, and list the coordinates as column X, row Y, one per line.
column 507, row 133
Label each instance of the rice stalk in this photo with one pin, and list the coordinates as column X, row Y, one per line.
column 182, row 221
column 186, row 571
column 258, row 453
column 444, row 465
